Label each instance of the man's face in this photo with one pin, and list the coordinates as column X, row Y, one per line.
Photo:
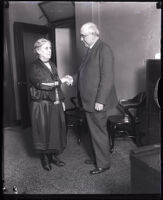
column 86, row 38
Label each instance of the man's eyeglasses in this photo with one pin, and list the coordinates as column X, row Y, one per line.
column 83, row 36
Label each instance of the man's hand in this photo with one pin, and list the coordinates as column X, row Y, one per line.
column 67, row 79
column 99, row 106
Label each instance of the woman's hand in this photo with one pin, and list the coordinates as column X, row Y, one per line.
column 67, row 79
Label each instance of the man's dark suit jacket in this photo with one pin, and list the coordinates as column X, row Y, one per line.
column 96, row 78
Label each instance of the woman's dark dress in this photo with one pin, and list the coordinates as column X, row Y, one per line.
column 48, row 120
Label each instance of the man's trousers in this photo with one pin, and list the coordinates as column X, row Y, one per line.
column 97, row 122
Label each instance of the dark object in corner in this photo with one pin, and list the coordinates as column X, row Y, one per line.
column 158, row 5
column 6, row 4
column 146, row 170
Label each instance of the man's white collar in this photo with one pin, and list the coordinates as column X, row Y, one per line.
column 93, row 44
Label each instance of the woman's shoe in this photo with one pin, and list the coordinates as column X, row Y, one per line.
column 56, row 161
column 45, row 162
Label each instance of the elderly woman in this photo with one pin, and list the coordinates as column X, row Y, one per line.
column 47, row 107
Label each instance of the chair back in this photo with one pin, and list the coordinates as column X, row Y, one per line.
column 130, row 104
column 139, row 98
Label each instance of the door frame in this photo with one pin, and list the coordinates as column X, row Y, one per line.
column 19, row 29
column 9, row 104
column 64, row 23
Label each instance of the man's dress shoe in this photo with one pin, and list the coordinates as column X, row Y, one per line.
column 89, row 162
column 98, row 170
column 57, row 162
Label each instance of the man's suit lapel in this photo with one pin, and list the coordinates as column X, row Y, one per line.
column 88, row 54
column 95, row 45
column 85, row 59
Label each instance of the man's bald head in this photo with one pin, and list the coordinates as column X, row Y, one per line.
column 90, row 28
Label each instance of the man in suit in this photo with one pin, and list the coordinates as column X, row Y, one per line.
column 95, row 82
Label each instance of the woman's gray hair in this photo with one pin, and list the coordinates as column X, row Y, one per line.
column 39, row 43
column 90, row 27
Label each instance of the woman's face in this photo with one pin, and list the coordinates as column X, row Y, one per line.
column 45, row 51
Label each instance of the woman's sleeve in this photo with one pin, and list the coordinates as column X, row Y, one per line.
column 36, row 77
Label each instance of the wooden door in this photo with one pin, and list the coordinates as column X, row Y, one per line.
column 9, row 111
column 25, row 37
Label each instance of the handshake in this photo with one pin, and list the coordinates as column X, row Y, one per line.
column 67, row 79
